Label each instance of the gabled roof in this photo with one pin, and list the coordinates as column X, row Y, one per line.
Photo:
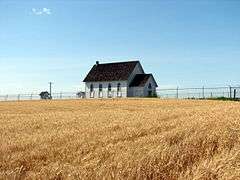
column 141, row 79
column 111, row 71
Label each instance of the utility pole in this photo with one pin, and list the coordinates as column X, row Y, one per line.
column 50, row 89
column 177, row 92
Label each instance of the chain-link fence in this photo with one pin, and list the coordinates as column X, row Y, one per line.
column 61, row 95
column 175, row 93
column 200, row 93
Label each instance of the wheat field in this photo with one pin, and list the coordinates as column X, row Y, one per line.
column 120, row 139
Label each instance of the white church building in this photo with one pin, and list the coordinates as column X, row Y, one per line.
column 121, row 79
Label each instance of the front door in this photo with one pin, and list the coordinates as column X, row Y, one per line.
column 149, row 93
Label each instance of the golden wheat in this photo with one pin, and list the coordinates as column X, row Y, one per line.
column 120, row 139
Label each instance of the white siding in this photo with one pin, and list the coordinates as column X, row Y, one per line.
column 105, row 93
column 142, row 91
column 136, row 91
column 137, row 70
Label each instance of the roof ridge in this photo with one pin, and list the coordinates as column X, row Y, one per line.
column 118, row 62
column 145, row 74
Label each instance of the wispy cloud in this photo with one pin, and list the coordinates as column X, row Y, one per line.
column 43, row 11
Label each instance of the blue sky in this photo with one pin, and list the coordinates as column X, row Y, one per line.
column 183, row 43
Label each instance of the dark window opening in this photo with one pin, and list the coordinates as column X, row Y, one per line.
column 149, row 86
column 149, row 93
column 91, row 88
column 100, row 87
column 109, row 87
column 119, row 87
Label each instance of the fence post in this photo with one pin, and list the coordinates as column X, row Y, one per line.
column 234, row 93
column 18, row 97
column 203, row 92
column 31, row 97
column 177, row 93
column 60, row 95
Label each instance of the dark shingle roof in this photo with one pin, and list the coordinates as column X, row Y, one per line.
column 141, row 79
column 111, row 71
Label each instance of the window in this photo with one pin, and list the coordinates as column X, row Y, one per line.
column 100, row 93
column 91, row 91
column 109, row 90
column 109, row 87
column 100, row 87
column 91, row 88
column 119, row 87
column 119, row 93
column 149, row 86
column 150, row 92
